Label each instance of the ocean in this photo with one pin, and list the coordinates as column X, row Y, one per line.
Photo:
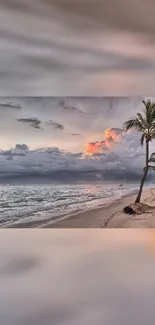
column 33, row 203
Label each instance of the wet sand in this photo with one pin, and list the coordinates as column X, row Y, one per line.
column 112, row 216
column 95, row 218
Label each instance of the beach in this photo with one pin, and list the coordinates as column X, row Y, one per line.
column 112, row 216
column 31, row 206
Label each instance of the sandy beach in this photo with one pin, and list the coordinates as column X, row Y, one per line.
column 112, row 216
column 109, row 216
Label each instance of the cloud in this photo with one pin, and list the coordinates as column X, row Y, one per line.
column 34, row 122
column 20, row 150
column 55, row 125
column 22, row 147
column 124, row 162
column 111, row 136
column 10, row 105
column 73, row 109
column 72, row 132
column 71, row 105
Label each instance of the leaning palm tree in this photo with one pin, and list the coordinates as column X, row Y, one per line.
column 145, row 124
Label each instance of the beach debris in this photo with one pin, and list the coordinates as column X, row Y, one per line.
column 138, row 208
column 128, row 210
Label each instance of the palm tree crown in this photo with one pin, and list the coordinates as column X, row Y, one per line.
column 143, row 123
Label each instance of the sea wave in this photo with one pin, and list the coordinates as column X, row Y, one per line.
column 42, row 202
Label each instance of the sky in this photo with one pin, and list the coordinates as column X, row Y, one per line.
column 76, row 136
column 77, row 47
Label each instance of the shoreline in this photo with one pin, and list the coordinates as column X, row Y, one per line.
column 108, row 216
column 112, row 215
column 94, row 218
column 77, row 219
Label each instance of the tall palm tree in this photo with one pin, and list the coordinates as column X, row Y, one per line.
column 145, row 124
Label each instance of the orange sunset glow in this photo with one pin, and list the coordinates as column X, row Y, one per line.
column 110, row 138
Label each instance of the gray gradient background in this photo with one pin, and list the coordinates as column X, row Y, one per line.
column 77, row 47
column 77, row 277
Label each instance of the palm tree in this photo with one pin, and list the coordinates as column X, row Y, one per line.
column 145, row 124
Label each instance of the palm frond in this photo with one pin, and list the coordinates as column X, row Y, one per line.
column 142, row 119
column 146, row 103
column 152, row 115
column 133, row 124
column 152, row 157
column 149, row 111
column 142, row 139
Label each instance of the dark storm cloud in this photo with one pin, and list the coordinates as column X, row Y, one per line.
column 10, row 105
column 19, row 151
column 124, row 163
column 21, row 147
column 10, row 155
column 126, row 175
column 71, row 109
column 55, row 125
column 34, row 122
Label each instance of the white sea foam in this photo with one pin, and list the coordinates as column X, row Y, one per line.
column 25, row 203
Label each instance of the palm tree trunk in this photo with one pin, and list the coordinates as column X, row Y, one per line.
column 145, row 173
